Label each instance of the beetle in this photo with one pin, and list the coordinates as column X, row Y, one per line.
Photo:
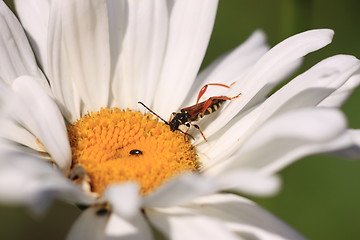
column 136, row 152
column 195, row 112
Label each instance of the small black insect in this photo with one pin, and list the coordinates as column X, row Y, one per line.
column 135, row 152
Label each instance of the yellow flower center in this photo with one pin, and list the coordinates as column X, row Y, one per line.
column 114, row 146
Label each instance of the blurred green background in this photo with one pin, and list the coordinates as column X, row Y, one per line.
column 320, row 195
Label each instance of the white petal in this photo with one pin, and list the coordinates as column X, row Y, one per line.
column 34, row 17
column 273, row 67
column 179, row 190
column 16, row 56
column 229, row 68
column 44, row 120
column 12, row 108
column 249, row 181
column 182, row 223
column 311, row 87
column 26, row 179
column 286, row 138
column 243, row 217
column 338, row 97
column 18, row 134
column 16, row 185
column 90, row 226
column 62, row 85
column 117, row 19
column 124, row 199
column 345, row 146
column 142, row 50
column 134, row 229
column 79, row 53
column 190, row 26
column 306, row 90
column 95, row 223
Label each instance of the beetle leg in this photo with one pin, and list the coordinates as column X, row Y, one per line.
column 172, row 116
column 198, row 128
column 226, row 98
column 206, row 105
column 185, row 133
column 204, row 88
column 187, row 130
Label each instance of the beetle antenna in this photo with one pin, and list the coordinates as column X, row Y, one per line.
column 166, row 122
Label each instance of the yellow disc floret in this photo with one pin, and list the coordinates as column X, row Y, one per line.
column 114, row 146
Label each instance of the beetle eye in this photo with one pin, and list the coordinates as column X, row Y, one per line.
column 135, row 152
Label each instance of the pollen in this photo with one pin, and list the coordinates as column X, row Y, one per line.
column 115, row 146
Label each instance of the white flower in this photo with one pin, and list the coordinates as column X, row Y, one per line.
column 98, row 54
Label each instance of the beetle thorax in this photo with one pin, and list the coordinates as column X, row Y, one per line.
column 179, row 119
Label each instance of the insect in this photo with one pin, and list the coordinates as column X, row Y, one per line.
column 135, row 152
column 194, row 113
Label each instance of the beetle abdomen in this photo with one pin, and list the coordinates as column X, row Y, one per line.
column 213, row 108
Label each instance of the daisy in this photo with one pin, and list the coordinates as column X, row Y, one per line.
column 72, row 127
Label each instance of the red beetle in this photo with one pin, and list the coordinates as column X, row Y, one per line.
column 194, row 113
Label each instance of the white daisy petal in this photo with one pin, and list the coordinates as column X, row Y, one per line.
column 117, row 19
column 15, row 133
column 34, row 17
column 182, row 223
column 80, row 52
column 286, row 138
column 190, row 27
column 243, row 217
column 249, row 181
column 140, row 59
column 179, row 190
column 16, row 57
column 125, row 207
column 338, row 97
column 273, row 67
column 10, row 129
column 26, row 179
column 345, row 146
column 134, row 229
column 47, row 123
column 90, row 226
column 306, row 90
column 12, row 187
column 62, row 84
column 311, row 87
column 229, row 68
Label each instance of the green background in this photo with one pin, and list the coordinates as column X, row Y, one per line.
column 320, row 195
